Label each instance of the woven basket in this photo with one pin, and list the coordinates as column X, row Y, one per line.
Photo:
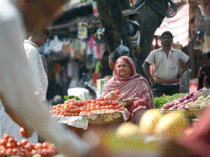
column 106, row 118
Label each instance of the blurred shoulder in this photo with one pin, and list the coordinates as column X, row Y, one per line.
column 8, row 11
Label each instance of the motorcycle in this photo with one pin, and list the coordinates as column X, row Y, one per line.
column 85, row 90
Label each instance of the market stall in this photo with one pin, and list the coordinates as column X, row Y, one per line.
column 81, row 115
column 191, row 104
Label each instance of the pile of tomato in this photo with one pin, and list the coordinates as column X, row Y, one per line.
column 9, row 146
column 73, row 107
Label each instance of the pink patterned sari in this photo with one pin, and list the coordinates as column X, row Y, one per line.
column 134, row 86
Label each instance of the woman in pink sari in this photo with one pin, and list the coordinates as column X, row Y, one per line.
column 134, row 88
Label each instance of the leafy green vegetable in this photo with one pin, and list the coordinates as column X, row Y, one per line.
column 160, row 101
column 66, row 97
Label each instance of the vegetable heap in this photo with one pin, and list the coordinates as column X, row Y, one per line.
column 9, row 146
column 160, row 101
column 73, row 107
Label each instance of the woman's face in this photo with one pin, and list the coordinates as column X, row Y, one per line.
column 123, row 68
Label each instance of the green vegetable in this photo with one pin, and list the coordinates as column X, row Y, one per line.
column 66, row 98
column 160, row 101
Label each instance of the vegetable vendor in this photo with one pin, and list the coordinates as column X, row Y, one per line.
column 134, row 88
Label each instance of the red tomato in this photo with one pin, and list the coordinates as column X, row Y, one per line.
column 26, row 152
column 103, row 103
column 115, row 103
column 117, row 92
column 74, row 110
column 68, row 110
column 115, row 96
column 81, row 109
column 116, row 107
column 33, row 145
column 10, row 145
column 102, row 107
column 97, row 107
column 3, row 152
column 2, row 147
column 44, row 152
column 111, row 107
column 6, row 137
column 106, row 107
column 33, row 152
column 93, row 101
column 19, row 144
column 92, row 108
column 3, row 142
column 110, row 101
column 39, row 151
column 38, row 146
column 77, row 110
column 75, row 103
column 29, row 146
column 9, row 152
column 46, row 144
column 91, row 104
column 15, row 150
column 87, row 109
column 80, row 103
column 11, row 139
column 23, row 142
column 51, row 146
column 50, row 152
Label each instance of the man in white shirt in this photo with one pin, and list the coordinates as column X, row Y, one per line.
column 17, row 87
column 166, row 62
column 35, row 62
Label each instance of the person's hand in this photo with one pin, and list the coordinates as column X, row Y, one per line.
column 179, row 75
column 129, row 101
column 93, row 139
column 153, row 83
column 110, row 95
column 26, row 132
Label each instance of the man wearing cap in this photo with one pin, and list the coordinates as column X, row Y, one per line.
column 166, row 62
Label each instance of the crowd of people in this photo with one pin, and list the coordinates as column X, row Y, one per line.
column 24, row 82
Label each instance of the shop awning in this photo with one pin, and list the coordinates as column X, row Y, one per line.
column 177, row 25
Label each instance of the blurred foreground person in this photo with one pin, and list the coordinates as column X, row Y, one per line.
column 17, row 86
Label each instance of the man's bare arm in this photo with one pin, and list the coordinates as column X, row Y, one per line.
column 146, row 70
column 187, row 65
column 21, row 121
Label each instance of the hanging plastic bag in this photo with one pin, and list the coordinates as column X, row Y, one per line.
column 122, row 49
